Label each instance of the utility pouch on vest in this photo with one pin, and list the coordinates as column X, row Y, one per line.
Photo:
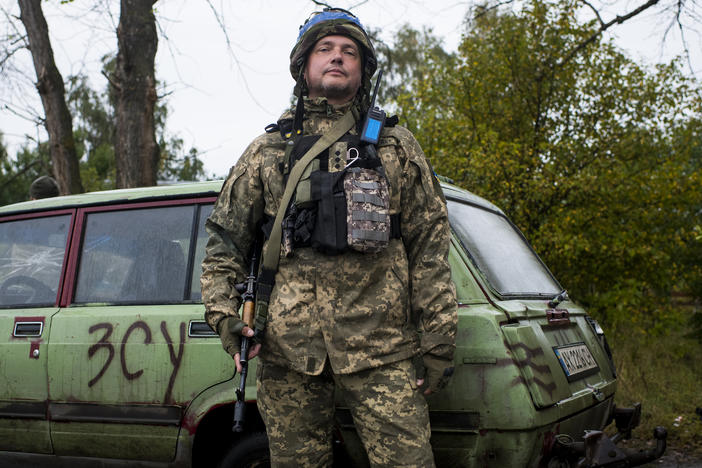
column 303, row 193
column 341, row 201
column 367, row 210
column 303, row 197
column 329, row 235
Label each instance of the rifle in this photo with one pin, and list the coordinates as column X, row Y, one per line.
column 248, row 294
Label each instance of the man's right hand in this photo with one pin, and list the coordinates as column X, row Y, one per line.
column 433, row 371
column 231, row 329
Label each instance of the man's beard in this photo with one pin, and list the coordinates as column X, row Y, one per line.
column 336, row 91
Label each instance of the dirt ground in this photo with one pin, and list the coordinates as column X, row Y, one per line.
column 674, row 457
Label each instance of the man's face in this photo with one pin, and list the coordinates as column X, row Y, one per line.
column 333, row 69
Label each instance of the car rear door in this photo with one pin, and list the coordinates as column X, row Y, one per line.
column 554, row 343
column 32, row 258
column 130, row 350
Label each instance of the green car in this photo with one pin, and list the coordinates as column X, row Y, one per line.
column 106, row 359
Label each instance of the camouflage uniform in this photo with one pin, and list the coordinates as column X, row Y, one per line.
column 358, row 309
column 389, row 413
column 350, row 322
column 341, row 315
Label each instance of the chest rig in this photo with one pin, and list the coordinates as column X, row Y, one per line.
column 322, row 199
column 341, row 201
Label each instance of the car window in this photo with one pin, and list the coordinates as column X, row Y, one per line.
column 202, row 236
column 500, row 252
column 136, row 256
column 31, row 257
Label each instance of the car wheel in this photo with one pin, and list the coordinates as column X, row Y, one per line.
column 251, row 451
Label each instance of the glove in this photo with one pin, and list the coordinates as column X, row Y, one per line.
column 435, row 371
column 229, row 329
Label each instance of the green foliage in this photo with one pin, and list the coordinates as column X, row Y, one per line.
column 663, row 372
column 16, row 175
column 187, row 167
column 596, row 158
column 94, row 133
column 407, row 60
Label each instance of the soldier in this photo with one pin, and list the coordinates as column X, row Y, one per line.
column 359, row 290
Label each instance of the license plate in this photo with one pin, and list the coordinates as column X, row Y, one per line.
column 576, row 360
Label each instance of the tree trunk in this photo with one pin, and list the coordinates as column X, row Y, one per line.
column 53, row 97
column 136, row 150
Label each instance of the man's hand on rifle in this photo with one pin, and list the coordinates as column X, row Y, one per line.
column 253, row 350
column 230, row 330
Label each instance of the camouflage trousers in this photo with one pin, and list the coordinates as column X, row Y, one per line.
column 390, row 415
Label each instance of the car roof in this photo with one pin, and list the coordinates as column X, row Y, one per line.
column 179, row 190
column 456, row 193
column 141, row 194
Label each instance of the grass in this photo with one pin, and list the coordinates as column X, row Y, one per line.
column 664, row 373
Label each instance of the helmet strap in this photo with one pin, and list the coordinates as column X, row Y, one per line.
column 299, row 115
column 300, row 108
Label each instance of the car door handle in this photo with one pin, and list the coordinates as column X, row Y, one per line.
column 200, row 329
column 23, row 329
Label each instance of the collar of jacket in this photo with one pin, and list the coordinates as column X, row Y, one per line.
column 320, row 107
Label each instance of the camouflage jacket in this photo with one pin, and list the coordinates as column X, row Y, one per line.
column 358, row 310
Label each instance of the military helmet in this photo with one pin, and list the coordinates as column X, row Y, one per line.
column 328, row 22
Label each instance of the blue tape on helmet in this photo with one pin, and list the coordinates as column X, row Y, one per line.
column 328, row 16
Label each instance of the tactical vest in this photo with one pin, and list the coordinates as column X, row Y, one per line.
column 342, row 200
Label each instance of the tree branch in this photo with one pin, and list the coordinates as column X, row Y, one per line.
column 112, row 82
column 357, row 5
column 37, row 120
column 322, row 4
column 9, row 53
column 11, row 39
column 23, row 170
column 12, row 21
column 603, row 28
column 677, row 22
column 594, row 10
column 228, row 41
column 484, row 9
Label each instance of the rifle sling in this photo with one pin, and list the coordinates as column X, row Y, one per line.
column 271, row 252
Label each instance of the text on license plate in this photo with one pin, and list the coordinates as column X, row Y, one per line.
column 576, row 360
